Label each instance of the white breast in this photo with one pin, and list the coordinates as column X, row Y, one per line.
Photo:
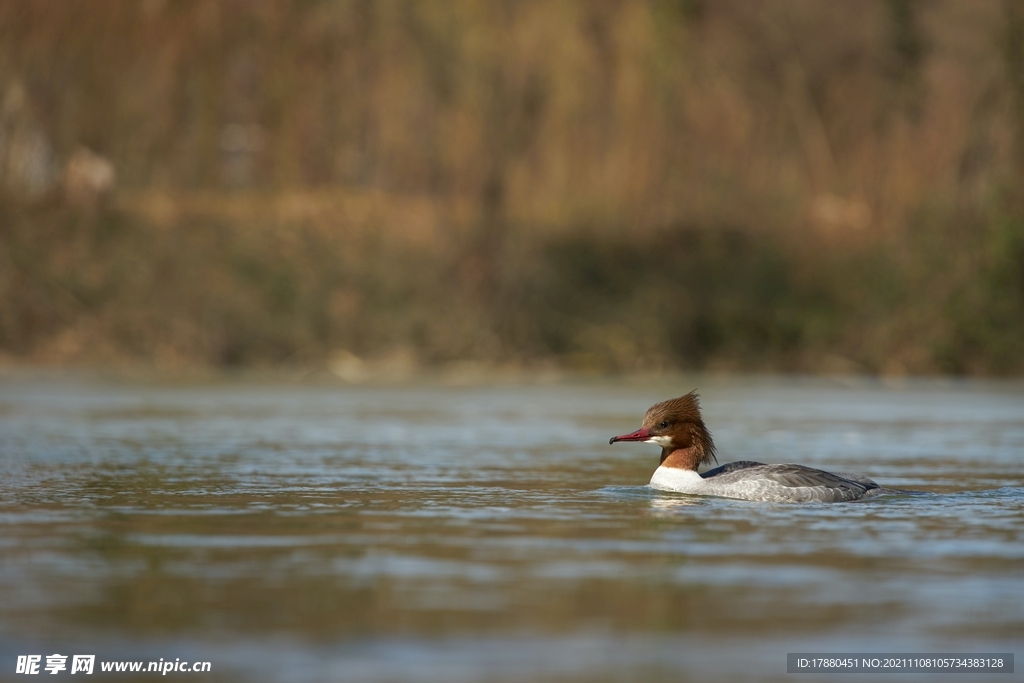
column 675, row 479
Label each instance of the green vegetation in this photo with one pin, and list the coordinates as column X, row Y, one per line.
column 616, row 186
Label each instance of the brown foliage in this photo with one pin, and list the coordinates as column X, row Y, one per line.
column 622, row 184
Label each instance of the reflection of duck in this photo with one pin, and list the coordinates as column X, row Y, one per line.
column 686, row 444
column 667, row 506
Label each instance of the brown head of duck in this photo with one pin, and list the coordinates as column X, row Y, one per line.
column 677, row 426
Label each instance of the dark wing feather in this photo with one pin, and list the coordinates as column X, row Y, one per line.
column 799, row 475
column 731, row 467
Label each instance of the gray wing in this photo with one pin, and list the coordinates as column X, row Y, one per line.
column 875, row 489
column 800, row 475
column 859, row 478
column 825, row 485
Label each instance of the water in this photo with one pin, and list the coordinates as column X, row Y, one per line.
column 433, row 533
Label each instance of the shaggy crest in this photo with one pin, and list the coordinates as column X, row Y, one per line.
column 683, row 414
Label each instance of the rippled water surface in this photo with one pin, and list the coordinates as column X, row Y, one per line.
column 435, row 533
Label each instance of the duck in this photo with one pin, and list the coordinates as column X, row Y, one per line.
column 686, row 445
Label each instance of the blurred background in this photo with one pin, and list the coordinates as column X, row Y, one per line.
column 611, row 186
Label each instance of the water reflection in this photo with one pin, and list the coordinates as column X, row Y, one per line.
column 671, row 505
column 302, row 530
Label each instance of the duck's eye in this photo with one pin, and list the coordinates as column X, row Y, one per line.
column 664, row 424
